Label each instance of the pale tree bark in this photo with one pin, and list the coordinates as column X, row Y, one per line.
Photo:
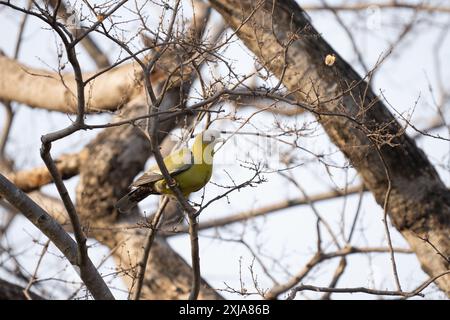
column 33, row 179
column 393, row 168
column 57, row 91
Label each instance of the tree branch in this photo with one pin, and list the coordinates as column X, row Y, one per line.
column 33, row 179
column 9, row 291
column 44, row 222
column 419, row 202
column 94, row 51
column 57, row 92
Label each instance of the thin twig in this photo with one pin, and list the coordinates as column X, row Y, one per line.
column 385, row 216
column 44, row 222
column 147, row 246
column 318, row 258
column 34, row 276
column 193, row 235
column 343, row 262
column 400, row 293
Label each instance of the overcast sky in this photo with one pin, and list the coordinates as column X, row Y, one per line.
column 288, row 236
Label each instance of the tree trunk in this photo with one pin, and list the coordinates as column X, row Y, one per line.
column 391, row 165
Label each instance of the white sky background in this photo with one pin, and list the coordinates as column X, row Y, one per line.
column 288, row 236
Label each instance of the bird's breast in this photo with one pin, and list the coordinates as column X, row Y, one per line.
column 194, row 179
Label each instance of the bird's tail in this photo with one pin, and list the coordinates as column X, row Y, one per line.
column 131, row 199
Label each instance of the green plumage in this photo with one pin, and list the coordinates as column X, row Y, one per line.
column 191, row 169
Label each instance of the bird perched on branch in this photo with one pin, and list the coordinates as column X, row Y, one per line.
column 191, row 169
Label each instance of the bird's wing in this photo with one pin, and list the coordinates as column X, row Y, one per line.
column 177, row 162
column 147, row 178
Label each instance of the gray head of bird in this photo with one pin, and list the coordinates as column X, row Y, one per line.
column 211, row 136
column 204, row 145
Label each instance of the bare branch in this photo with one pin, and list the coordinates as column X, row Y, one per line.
column 391, row 4
column 9, row 291
column 94, row 51
column 48, row 90
column 44, row 222
column 147, row 246
column 317, row 259
column 414, row 207
column 416, row 292
column 33, row 179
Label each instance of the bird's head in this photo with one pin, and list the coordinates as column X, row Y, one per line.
column 211, row 136
column 204, row 144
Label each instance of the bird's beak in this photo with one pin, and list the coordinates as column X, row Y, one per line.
column 216, row 142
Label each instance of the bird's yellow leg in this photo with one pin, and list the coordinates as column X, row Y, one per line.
column 162, row 187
